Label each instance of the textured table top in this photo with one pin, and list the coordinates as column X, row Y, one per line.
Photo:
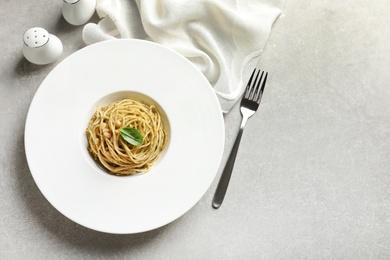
column 312, row 175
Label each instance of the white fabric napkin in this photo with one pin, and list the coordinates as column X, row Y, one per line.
column 223, row 38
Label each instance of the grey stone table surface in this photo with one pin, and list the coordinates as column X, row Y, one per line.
column 312, row 177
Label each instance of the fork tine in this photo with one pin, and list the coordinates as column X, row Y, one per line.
column 249, row 85
column 259, row 91
column 255, row 87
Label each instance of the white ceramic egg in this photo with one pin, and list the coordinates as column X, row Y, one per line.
column 78, row 12
column 41, row 47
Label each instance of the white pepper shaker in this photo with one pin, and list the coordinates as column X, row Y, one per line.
column 78, row 12
column 41, row 47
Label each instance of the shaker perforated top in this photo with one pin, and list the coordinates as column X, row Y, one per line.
column 36, row 37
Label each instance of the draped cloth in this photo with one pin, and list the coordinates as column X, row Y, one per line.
column 222, row 38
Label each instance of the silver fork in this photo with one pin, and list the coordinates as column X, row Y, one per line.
column 249, row 104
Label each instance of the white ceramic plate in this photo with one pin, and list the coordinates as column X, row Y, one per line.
column 56, row 145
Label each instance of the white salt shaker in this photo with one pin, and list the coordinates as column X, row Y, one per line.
column 78, row 12
column 41, row 47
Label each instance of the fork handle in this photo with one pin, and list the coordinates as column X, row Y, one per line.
column 227, row 171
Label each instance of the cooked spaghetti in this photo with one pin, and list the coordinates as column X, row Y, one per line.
column 117, row 155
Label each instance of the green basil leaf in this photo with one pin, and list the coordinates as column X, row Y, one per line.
column 131, row 135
